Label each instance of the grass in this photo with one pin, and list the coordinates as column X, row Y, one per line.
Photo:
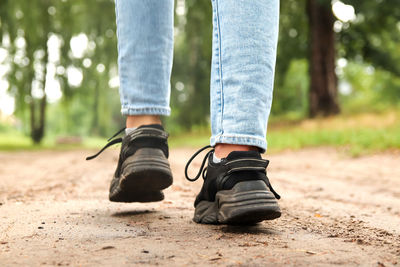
column 15, row 141
column 357, row 140
column 358, row 134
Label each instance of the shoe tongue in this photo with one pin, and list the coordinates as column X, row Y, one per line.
column 243, row 154
column 156, row 126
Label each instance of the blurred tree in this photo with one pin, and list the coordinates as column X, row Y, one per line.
column 99, row 64
column 311, row 37
column 28, row 34
column 26, row 29
column 191, row 72
column 323, row 85
column 374, row 38
column 310, row 30
column 292, row 50
column 374, row 34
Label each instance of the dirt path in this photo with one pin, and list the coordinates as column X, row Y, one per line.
column 336, row 211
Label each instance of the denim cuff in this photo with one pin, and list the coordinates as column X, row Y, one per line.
column 126, row 110
column 240, row 140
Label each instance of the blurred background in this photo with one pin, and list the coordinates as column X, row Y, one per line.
column 337, row 76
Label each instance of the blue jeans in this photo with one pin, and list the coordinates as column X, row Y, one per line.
column 242, row 71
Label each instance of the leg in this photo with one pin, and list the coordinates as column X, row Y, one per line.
column 236, row 189
column 145, row 49
column 243, row 61
column 145, row 46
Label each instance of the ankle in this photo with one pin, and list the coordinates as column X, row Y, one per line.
column 134, row 121
column 223, row 150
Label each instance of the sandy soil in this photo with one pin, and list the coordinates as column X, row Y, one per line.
column 337, row 210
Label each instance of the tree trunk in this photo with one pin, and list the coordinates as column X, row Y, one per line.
column 38, row 124
column 95, row 109
column 38, row 121
column 36, row 41
column 323, row 86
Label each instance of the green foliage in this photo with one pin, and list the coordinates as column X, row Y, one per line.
column 374, row 37
column 371, row 45
column 191, row 72
column 292, row 94
column 370, row 42
column 90, row 107
column 293, row 37
column 369, row 89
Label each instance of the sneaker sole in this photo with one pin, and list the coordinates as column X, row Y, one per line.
column 247, row 202
column 143, row 180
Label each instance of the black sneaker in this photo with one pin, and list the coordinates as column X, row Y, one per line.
column 235, row 191
column 143, row 169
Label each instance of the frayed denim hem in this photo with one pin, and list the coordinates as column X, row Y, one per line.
column 240, row 140
column 146, row 111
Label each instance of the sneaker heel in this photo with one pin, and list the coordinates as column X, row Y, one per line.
column 247, row 202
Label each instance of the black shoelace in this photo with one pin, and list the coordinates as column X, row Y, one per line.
column 203, row 170
column 110, row 141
